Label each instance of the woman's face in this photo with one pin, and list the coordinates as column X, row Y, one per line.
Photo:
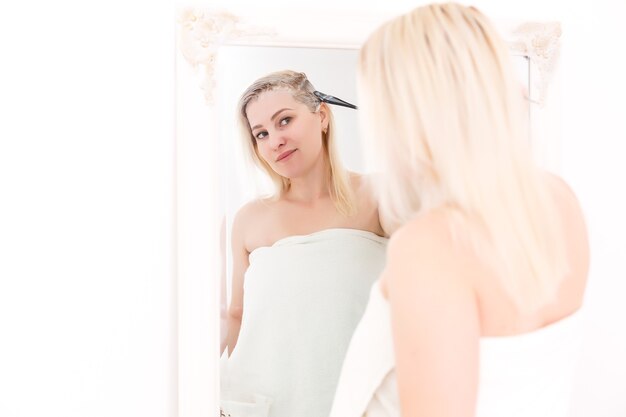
column 288, row 136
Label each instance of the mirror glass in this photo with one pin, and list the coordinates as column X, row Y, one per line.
column 332, row 71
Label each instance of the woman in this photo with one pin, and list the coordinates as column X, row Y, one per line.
column 477, row 310
column 309, row 256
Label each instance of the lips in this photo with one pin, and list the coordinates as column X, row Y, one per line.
column 284, row 155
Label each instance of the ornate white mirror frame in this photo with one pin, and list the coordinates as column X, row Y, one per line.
column 201, row 33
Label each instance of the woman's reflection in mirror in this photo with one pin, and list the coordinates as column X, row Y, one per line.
column 304, row 258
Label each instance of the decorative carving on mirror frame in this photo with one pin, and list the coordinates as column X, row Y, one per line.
column 200, row 34
column 202, row 31
column 540, row 42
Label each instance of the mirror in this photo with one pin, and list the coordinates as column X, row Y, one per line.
column 325, row 282
column 330, row 65
column 331, row 70
column 245, row 373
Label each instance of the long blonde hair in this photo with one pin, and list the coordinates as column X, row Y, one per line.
column 447, row 126
column 302, row 91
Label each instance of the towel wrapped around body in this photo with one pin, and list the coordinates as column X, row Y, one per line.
column 303, row 297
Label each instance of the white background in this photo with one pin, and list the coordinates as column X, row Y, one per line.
column 87, row 284
column 87, row 162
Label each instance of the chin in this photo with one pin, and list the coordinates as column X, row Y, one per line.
column 289, row 173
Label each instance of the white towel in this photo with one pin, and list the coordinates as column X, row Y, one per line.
column 303, row 298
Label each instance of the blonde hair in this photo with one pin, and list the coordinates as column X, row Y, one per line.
column 447, row 126
column 302, row 91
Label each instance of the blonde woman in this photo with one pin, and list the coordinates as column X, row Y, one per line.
column 304, row 259
column 477, row 310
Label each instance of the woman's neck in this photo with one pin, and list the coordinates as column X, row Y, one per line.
column 312, row 186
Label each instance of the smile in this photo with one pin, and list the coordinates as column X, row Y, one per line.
column 285, row 155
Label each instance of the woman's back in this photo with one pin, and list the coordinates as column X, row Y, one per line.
column 488, row 247
column 526, row 375
column 450, row 308
column 499, row 315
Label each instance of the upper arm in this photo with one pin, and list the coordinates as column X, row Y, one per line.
column 240, row 261
column 435, row 323
column 573, row 220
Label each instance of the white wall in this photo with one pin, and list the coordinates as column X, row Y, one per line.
column 594, row 142
column 86, row 209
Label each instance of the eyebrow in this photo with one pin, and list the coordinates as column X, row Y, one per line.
column 272, row 118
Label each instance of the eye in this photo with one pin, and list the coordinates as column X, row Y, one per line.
column 261, row 135
column 285, row 121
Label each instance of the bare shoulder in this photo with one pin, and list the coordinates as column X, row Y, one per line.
column 247, row 217
column 427, row 247
column 252, row 208
column 570, row 213
column 426, row 233
column 362, row 183
column 246, row 212
column 569, row 208
column 561, row 188
column 364, row 189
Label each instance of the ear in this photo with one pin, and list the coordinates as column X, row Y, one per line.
column 324, row 116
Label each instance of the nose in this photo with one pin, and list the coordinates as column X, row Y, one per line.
column 277, row 140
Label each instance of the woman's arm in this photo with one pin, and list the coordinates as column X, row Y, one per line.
column 240, row 265
column 435, row 320
column 223, row 301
